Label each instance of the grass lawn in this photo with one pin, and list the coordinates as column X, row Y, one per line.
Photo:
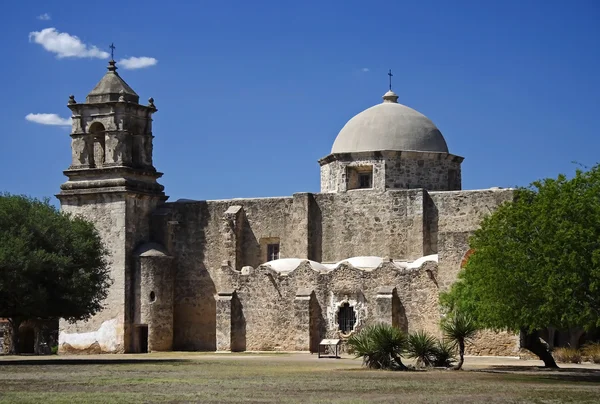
column 278, row 378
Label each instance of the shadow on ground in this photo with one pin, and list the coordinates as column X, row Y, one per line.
column 84, row 361
column 562, row 374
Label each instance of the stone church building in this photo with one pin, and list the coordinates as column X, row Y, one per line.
column 388, row 231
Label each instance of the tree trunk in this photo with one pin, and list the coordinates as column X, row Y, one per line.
column 398, row 361
column 531, row 341
column 461, row 352
column 574, row 336
column 14, row 336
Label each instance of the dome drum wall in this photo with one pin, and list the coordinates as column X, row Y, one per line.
column 336, row 176
column 392, row 170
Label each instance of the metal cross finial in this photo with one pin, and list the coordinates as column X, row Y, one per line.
column 112, row 51
column 390, row 74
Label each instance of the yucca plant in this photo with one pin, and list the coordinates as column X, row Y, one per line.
column 460, row 329
column 422, row 347
column 444, row 353
column 592, row 351
column 381, row 346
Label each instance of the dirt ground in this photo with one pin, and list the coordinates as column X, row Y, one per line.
column 293, row 378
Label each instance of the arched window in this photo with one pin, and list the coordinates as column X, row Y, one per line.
column 97, row 156
column 346, row 318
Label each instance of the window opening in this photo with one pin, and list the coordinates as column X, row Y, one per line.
column 346, row 318
column 98, row 153
column 359, row 177
column 364, row 180
column 272, row 252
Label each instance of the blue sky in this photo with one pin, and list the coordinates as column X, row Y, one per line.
column 251, row 94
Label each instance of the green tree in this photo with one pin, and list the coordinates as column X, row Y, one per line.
column 52, row 265
column 536, row 262
column 459, row 328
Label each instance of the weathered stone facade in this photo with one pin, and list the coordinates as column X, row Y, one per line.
column 323, row 227
column 392, row 170
column 385, row 235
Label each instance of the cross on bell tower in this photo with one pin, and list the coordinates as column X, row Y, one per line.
column 391, row 75
column 112, row 51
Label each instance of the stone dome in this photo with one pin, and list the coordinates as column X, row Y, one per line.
column 389, row 126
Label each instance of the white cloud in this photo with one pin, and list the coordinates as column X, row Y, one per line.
column 48, row 119
column 365, row 69
column 137, row 63
column 65, row 45
column 44, row 17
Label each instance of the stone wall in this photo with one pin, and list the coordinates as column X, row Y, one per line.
column 264, row 310
column 491, row 343
column 393, row 170
column 122, row 219
column 199, row 246
column 369, row 223
column 432, row 171
column 291, row 311
column 203, row 237
column 4, row 336
column 104, row 332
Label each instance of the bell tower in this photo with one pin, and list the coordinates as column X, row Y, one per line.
column 112, row 182
column 111, row 146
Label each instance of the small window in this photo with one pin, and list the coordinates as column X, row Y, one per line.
column 360, row 177
column 364, row 180
column 272, row 252
column 346, row 318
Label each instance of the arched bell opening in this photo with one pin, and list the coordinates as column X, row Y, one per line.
column 97, row 144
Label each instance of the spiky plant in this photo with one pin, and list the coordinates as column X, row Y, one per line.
column 422, row 347
column 445, row 353
column 460, row 329
column 381, row 346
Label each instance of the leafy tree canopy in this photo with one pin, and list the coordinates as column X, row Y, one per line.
column 536, row 260
column 52, row 265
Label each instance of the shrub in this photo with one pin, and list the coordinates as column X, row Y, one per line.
column 422, row 347
column 567, row 355
column 445, row 353
column 54, row 350
column 592, row 351
column 460, row 329
column 381, row 346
